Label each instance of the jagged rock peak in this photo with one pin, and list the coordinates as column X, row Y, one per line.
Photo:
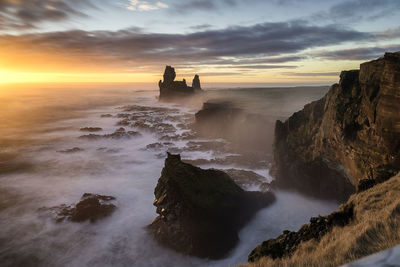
column 169, row 74
column 196, row 83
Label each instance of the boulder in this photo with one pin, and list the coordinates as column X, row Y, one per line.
column 201, row 211
column 351, row 134
column 91, row 207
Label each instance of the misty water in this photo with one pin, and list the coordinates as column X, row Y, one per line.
column 40, row 124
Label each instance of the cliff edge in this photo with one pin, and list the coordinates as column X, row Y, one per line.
column 346, row 140
column 368, row 223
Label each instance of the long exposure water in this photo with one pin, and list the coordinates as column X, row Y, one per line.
column 45, row 162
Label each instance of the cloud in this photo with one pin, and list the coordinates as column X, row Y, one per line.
column 145, row 5
column 201, row 27
column 356, row 10
column 312, row 74
column 194, row 5
column 27, row 14
column 260, row 46
column 214, row 5
column 265, row 67
column 363, row 53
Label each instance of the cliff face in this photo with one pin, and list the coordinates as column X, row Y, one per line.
column 351, row 134
column 170, row 88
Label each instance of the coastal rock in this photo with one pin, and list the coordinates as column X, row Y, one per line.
column 248, row 179
column 117, row 134
column 91, row 129
column 91, row 207
column 196, row 83
column 351, row 134
column 369, row 222
column 169, row 88
column 218, row 118
column 71, row 150
column 246, row 132
column 287, row 243
column 201, row 211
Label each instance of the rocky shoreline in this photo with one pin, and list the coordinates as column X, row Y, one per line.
column 352, row 133
column 349, row 140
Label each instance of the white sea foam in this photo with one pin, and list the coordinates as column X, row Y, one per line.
column 123, row 168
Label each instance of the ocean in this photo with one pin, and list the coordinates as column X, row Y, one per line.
column 48, row 158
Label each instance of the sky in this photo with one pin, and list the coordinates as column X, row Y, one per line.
column 224, row 41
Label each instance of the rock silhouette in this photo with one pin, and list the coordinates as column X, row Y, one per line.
column 169, row 88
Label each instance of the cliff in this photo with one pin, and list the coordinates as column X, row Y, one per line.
column 349, row 137
column 169, row 88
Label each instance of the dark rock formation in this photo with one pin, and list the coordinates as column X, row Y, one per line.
column 352, row 133
column 71, row 150
column 91, row 208
column 201, row 211
column 169, row 88
column 248, row 179
column 118, row 134
column 287, row 243
column 91, row 129
column 218, row 118
column 247, row 133
column 196, row 83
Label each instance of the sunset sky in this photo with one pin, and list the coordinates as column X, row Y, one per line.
column 240, row 41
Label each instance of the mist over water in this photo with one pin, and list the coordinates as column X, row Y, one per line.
column 38, row 126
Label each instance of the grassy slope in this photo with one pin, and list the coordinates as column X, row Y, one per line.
column 376, row 227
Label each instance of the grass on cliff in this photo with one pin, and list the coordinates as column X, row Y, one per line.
column 376, row 227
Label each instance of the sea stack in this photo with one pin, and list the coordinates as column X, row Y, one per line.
column 200, row 212
column 169, row 88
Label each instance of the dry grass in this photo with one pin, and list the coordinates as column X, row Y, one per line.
column 376, row 227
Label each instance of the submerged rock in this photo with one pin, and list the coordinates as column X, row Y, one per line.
column 71, row 150
column 118, row 134
column 92, row 207
column 248, row 179
column 201, row 211
column 91, row 129
column 169, row 88
column 349, row 135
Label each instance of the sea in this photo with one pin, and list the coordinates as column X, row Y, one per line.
column 51, row 154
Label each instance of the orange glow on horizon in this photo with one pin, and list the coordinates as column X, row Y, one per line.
column 22, row 64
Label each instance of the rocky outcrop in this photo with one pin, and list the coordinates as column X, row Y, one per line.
column 91, row 207
column 245, row 131
column 120, row 133
column 368, row 223
column 169, row 88
column 91, row 129
column 201, row 211
column 351, row 134
column 287, row 243
column 196, row 83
